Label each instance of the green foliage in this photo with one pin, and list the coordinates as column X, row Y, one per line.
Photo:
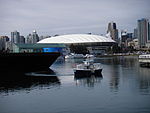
column 78, row 49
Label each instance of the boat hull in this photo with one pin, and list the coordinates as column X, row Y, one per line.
column 27, row 62
column 87, row 73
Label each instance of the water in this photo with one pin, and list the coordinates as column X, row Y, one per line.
column 124, row 88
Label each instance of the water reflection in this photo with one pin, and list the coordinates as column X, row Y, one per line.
column 144, row 80
column 111, row 69
column 125, row 61
column 117, row 70
column 88, row 81
column 114, row 80
column 20, row 81
column 126, row 68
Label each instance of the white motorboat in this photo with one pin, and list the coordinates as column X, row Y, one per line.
column 89, row 56
column 144, row 60
column 88, row 68
column 74, row 56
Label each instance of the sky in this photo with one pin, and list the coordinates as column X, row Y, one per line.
column 50, row 17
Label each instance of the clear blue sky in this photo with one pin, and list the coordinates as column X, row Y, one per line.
column 50, row 17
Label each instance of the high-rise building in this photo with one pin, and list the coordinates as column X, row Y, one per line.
column 143, row 32
column 43, row 37
column 32, row 38
column 28, row 39
column 124, row 37
column 135, row 33
column 22, row 40
column 3, row 40
column 15, row 37
column 112, row 29
column 35, row 37
column 130, row 35
column 148, row 39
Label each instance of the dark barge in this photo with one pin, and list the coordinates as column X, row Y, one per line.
column 27, row 62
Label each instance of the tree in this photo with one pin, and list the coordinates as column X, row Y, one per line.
column 78, row 49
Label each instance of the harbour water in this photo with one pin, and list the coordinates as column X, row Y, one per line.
column 123, row 88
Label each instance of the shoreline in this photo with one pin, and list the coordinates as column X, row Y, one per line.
column 116, row 55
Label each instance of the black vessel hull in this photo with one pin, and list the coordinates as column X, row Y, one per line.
column 87, row 73
column 27, row 62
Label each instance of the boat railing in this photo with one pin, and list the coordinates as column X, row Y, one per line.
column 80, row 66
column 144, row 56
column 97, row 65
column 88, row 65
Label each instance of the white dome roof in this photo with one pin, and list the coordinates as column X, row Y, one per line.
column 76, row 38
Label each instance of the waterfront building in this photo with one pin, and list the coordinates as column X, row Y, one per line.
column 124, row 38
column 112, row 29
column 36, row 48
column 95, row 44
column 32, row 38
column 3, row 40
column 143, row 32
column 134, row 44
column 123, row 35
column 22, row 39
column 130, row 35
column 148, row 40
column 9, row 46
column 35, row 37
column 127, row 39
column 29, row 39
column 15, row 37
column 135, row 33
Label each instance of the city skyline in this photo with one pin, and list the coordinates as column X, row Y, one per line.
column 50, row 17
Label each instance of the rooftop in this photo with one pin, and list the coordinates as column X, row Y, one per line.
column 76, row 38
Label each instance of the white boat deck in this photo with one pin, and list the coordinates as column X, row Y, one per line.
column 147, row 56
column 88, row 66
column 144, row 60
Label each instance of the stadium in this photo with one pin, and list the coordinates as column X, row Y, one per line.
column 95, row 44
